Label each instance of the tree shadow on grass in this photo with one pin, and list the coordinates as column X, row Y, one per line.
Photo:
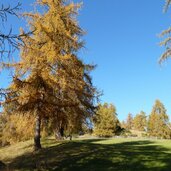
column 87, row 156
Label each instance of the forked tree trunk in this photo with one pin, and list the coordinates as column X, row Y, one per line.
column 37, row 136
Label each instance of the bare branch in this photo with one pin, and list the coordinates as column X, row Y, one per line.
column 4, row 11
column 8, row 41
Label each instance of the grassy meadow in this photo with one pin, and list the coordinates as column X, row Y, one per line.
column 90, row 155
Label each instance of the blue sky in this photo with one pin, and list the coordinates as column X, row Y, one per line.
column 122, row 39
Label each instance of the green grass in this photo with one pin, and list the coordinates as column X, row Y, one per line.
column 90, row 155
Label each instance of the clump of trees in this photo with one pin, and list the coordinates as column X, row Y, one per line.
column 106, row 123
column 154, row 125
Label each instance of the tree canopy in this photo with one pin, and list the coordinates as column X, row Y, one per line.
column 50, row 80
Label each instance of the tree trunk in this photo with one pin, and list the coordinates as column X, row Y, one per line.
column 37, row 136
column 59, row 133
column 62, row 131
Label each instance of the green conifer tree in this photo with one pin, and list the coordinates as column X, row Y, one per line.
column 106, row 121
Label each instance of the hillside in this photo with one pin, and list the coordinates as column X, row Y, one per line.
column 91, row 154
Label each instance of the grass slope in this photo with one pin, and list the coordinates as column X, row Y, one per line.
column 90, row 155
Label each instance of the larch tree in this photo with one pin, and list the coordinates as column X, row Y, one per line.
column 129, row 121
column 140, row 121
column 106, row 121
column 166, row 34
column 158, row 121
column 50, row 80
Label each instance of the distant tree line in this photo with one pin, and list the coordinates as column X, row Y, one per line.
column 156, row 124
column 105, row 123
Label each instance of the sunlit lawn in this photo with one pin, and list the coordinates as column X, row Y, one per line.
column 91, row 155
